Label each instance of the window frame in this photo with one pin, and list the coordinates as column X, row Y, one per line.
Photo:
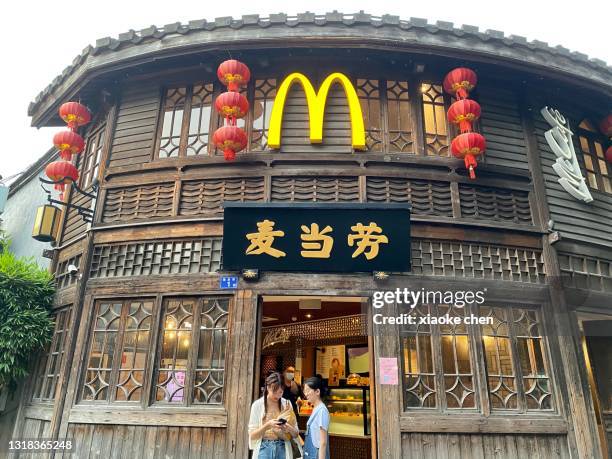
column 591, row 137
column 483, row 406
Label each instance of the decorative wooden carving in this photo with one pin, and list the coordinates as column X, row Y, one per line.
column 426, row 197
column 138, row 202
column 205, row 197
column 586, row 272
column 495, row 204
column 304, row 189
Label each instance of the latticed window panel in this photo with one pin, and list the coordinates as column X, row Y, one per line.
column 598, row 174
column 369, row 95
column 118, row 351
column 420, row 387
column 185, row 122
column 138, row 202
column 585, row 272
column 90, row 158
column 480, row 261
column 154, row 258
column 426, row 197
column 434, row 120
column 172, row 122
column 305, row 189
column 456, row 360
column 206, row 197
column 264, row 92
column 50, row 361
column 501, row 375
column 64, row 278
column 439, row 362
column 399, row 120
column 182, row 376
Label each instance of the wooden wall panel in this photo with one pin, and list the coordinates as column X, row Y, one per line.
column 316, row 188
column 75, row 226
column 472, row 446
column 295, row 132
column 500, row 123
column 128, row 441
column 138, row 202
column 205, row 197
column 136, row 125
column 575, row 220
column 426, row 197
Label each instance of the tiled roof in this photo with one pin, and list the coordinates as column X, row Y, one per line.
column 452, row 35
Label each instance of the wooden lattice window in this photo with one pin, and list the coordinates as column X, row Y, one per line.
column 50, row 363
column 399, row 119
column 369, row 97
column 518, row 374
column 190, row 366
column 118, row 351
column 264, row 92
column 598, row 175
column 185, row 122
column 439, row 361
column 434, row 120
column 90, row 158
column 438, row 367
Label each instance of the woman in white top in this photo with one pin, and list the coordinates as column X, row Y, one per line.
column 267, row 436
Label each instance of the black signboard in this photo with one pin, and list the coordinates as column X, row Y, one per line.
column 316, row 237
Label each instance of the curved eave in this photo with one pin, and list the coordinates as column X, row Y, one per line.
column 308, row 30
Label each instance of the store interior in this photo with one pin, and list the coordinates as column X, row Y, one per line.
column 324, row 336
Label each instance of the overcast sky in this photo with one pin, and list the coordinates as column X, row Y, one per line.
column 39, row 39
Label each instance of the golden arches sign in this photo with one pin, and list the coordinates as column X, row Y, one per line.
column 316, row 109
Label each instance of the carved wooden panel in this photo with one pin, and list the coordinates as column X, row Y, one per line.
column 62, row 277
column 205, row 197
column 426, row 197
column 586, row 272
column 483, row 261
column 495, row 204
column 303, row 189
column 152, row 258
column 138, row 202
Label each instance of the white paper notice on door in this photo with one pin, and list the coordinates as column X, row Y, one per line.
column 388, row 370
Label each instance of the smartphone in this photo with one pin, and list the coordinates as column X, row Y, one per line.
column 282, row 421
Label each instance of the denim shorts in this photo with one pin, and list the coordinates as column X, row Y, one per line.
column 272, row 449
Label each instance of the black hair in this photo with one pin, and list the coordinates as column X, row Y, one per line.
column 273, row 381
column 315, row 383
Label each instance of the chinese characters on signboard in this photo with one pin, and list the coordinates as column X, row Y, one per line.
column 309, row 237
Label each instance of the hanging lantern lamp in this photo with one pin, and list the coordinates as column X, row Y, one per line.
column 230, row 139
column 232, row 105
column 463, row 113
column 233, row 74
column 46, row 223
column 459, row 82
column 467, row 147
column 74, row 114
column 68, row 143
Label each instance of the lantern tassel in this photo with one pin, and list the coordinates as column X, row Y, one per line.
column 462, row 93
column 465, row 126
column 470, row 164
column 229, row 154
column 65, row 155
column 232, row 86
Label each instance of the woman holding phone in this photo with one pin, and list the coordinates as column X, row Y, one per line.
column 316, row 444
column 268, row 434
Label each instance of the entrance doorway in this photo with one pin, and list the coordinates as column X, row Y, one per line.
column 325, row 336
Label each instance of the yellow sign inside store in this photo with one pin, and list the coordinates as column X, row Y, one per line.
column 316, row 108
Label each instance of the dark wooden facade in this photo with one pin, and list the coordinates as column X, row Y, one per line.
column 157, row 236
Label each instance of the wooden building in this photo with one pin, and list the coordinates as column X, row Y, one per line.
column 536, row 384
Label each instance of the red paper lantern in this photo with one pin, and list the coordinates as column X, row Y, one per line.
column 459, row 82
column 609, row 154
column 62, row 172
column 74, row 114
column 467, row 147
column 233, row 74
column 463, row 113
column 230, row 139
column 232, row 105
column 68, row 143
column 606, row 126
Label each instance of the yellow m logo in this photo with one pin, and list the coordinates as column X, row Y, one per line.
column 316, row 108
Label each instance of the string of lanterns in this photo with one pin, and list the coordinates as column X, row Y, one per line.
column 468, row 144
column 68, row 143
column 231, row 105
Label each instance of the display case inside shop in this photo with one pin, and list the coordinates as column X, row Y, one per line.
column 349, row 411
